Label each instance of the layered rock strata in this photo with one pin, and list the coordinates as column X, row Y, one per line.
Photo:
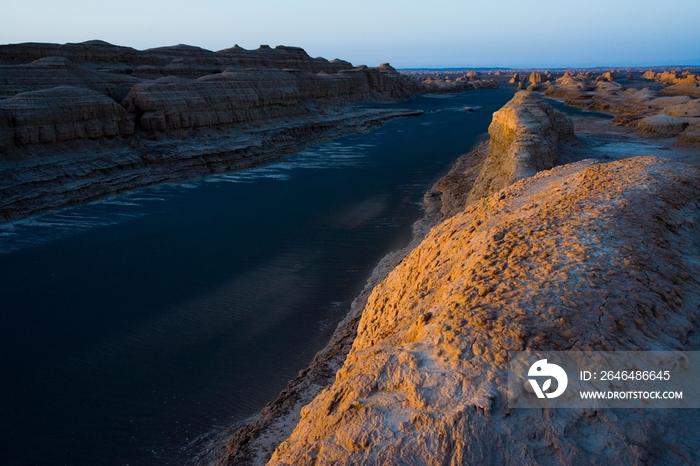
column 78, row 121
column 49, row 72
column 60, row 114
column 241, row 97
column 114, row 58
column 87, row 170
column 527, row 135
column 553, row 262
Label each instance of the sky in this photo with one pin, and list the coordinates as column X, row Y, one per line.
column 407, row 33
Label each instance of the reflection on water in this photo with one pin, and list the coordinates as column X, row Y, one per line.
column 134, row 325
column 116, row 209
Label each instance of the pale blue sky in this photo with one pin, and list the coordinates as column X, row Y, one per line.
column 407, row 33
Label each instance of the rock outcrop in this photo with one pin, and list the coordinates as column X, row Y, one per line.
column 90, row 119
column 185, row 87
column 690, row 137
column 662, row 125
column 453, row 189
column 51, row 72
column 655, row 114
column 608, row 76
column 421, row 383
column 690, row 91
column 243, row 97
column 536, row 78
column 551, row 263
column 459, row 85
column 59, row 114
column 171, row 60
column 678, row 78
column 570, row 87
column 527, row 135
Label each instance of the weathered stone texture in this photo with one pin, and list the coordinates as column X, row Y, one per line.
column 526, row 136
column 581, row 257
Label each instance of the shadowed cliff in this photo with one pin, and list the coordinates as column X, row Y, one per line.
column 80, row 121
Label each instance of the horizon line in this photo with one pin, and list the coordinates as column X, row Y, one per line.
column 540, row 67
column 687, row 63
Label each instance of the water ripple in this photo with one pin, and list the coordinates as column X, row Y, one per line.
column 116, row 209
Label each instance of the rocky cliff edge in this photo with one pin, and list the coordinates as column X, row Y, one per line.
column 526, row 136
column 585, row 256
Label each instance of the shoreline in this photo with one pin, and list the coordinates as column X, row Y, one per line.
column 78, row 176
column 252, row 441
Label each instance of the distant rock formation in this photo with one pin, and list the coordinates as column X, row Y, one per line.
column 608, row 76
column 60, row 114
column 570, row 87
column 680, row 90
column 78, row 121
column 679, row 82
column 536, row 78
column 460, row 84
column 239, row 97
column 662, row 125
column 425, row 380
column 527, row 135
column 667, row 113
column 169, row 61
column 677, row 78
column 690, row 137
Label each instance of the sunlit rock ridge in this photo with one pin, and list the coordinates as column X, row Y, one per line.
column 583, row 256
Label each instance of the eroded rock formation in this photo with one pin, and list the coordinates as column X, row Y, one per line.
column 60, row 114
column 655, row 114
column 527, row 135
column 690, row 137
column 78, row 121
column 425, row 380
column 662, row 125
column 234, row 97
column 549, row 262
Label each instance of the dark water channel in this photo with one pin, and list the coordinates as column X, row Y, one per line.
column 134, row 325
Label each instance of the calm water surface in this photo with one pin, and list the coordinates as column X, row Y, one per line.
column 133, row 326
